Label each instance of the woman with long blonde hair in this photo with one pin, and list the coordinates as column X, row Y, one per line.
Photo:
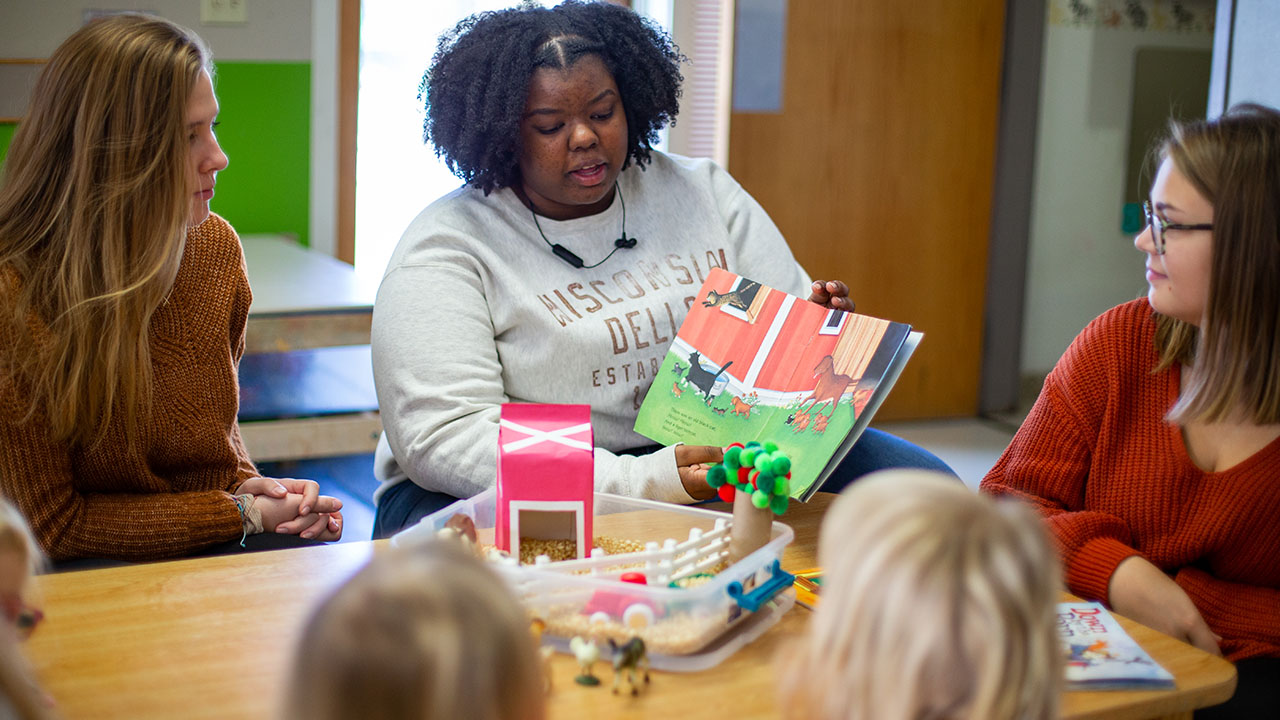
column 123, row 304
column 936, row 603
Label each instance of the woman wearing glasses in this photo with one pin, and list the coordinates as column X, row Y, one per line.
column 1153, row 447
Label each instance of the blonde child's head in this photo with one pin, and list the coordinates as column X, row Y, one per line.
column 421, row 632
column 936, row 603
column 20, row 558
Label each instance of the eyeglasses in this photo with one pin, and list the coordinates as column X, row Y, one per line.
column 1159, row 225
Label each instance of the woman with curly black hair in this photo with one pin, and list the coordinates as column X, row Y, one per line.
column 562, row 269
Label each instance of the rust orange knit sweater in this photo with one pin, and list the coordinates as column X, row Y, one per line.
column 1113, row 479
column 168, row 495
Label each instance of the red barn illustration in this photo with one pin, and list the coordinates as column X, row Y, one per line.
column 780, row 341
column 546, row 475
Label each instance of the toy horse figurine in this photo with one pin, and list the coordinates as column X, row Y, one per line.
column 631, row 658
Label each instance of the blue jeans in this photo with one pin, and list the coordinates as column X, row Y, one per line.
column 405, row 504
column 1257, row 692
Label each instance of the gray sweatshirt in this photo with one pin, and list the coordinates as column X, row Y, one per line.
column 474, row 311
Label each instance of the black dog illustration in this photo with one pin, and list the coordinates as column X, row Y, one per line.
column 701, row 378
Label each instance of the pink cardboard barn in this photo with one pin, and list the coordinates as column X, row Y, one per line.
column 546, row 475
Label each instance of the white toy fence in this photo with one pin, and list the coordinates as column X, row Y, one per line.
column 663, row 564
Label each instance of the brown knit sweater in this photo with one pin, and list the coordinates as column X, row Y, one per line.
column 1113, row 480
column 168, row 495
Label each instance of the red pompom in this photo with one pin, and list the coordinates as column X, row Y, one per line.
column 726, row 492
column 743, row 475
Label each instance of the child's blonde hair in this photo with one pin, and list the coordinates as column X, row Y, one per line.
column 16, row 537
column 421, row 632
column 936, row 603
column 16, row 684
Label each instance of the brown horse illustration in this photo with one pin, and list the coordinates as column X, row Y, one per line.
column 831, row 385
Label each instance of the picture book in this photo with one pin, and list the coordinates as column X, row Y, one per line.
column 753, row 363
column 1101, row 655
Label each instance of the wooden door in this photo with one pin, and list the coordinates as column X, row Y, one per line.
column 879, row 171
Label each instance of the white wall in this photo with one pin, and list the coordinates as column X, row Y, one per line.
column 1254, row 40
column 276, row 30
column 324, row 127
column 1080, row 263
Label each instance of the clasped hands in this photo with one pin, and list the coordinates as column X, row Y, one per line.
column 295, row 507
column 693, row 461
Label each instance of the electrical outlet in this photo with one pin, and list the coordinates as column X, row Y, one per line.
column 224, row 12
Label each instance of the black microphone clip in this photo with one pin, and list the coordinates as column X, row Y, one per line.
column 625, row 242
column 567, row 255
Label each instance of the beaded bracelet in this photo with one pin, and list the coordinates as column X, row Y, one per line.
column 240, row 506
column 241, row 502
column 250, row 517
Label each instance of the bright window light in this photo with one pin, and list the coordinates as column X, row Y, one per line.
column 396, row 173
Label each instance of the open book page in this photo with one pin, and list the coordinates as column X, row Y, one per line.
column 1101, row 655
column 876, row 397
column 753, row 363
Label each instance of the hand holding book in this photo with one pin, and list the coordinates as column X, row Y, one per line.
column 753, row 363
column 831, row 294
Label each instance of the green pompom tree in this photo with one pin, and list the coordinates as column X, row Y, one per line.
column 759, row 470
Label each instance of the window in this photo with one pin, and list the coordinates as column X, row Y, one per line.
column 396, row 173
column 740, row 299
column 834, row 322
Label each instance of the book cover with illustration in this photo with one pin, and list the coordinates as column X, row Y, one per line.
column 1101, row 655
column 753, row 363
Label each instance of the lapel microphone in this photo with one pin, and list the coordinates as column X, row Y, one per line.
column 569, row 256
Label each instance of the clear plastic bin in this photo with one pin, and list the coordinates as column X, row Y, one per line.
column 689, row 628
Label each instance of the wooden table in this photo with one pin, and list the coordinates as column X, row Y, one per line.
column 212, row 638
column 308, row 302
column 303, row 299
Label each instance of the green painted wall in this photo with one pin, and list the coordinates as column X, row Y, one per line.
column 6, row 135
column 266, row 133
